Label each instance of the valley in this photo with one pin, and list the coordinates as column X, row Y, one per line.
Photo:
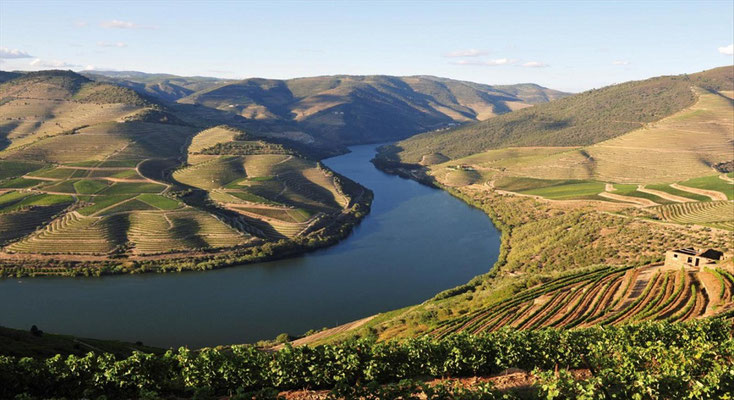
column 158, row 172
column 592, row 197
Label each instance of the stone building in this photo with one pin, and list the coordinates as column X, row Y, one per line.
column 691, row 258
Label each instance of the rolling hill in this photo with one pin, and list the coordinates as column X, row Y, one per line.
column 92, row 172
column 341, row 108
column 580, row 120
column 364, row 109
column 165, row 87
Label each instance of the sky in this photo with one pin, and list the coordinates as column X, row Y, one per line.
column 572, row 46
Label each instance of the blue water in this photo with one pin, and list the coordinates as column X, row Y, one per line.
column 416, row 242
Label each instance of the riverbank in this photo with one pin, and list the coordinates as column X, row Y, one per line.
column 416, row 241
column 326, row 232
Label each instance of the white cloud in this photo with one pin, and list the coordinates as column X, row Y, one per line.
column 466, row 53
column 489, row 63
column 534, row 64
column 80, row 24
column 13, row 53
column 620, row 62
column 728, row 50
column 51, row 64
column 117, row 24
column 108, row 44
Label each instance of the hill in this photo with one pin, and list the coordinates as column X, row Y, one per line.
column 165, row 87
column 37, row 106
column 583, row 119
column 363, row 109
column 92, row 173
column 586, row 211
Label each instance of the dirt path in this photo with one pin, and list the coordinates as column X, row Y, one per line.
column 42, row 178
column 137, row 169
column 125, row 180
column 712, row 286
column 663, row 195
column 328, row 332
column 285, row 160
column 629, row 199
column 94, row 168
column 726, row 178
column 714, row 195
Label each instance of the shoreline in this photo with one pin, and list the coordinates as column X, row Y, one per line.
column 332, row 232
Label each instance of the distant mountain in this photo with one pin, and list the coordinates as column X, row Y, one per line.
column 341, row 109
column 578, row 120
column 165, row 87
column 368, row 109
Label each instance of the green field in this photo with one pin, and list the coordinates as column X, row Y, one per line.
column 127, row 206
column 102, row 202
column 712, row 183
column 553, row 189
column 11, row 169
column 89, row 186
column 55, row 173
column 131, row 188
column 631, row 190
column 158, row 201
column 19, row 183
column 67, row 186
column 681, row 193
column 10, row 198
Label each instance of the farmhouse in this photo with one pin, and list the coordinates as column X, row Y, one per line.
column 690, row 257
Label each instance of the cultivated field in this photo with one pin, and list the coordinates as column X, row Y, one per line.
column 606, row 296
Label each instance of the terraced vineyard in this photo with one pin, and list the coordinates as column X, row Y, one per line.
column 277, row 195
column 73, row 233
column 94, row 171
column 155, row 232
column 719, row 214
column 606, row 296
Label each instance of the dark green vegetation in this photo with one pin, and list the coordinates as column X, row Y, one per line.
column 579, row 120
column 652, row 360
column 39, row 344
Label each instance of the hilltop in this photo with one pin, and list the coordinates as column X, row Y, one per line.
column 97, row 177
column 342, row 108
column 361, row 109
column 583, row 119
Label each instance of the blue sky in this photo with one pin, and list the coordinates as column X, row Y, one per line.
column 564, row 45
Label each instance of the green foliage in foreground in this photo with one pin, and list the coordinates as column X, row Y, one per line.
column 649, row 360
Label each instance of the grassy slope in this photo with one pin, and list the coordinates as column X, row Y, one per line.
column 579, row 120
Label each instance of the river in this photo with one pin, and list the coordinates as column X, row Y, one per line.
column 416, row 242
